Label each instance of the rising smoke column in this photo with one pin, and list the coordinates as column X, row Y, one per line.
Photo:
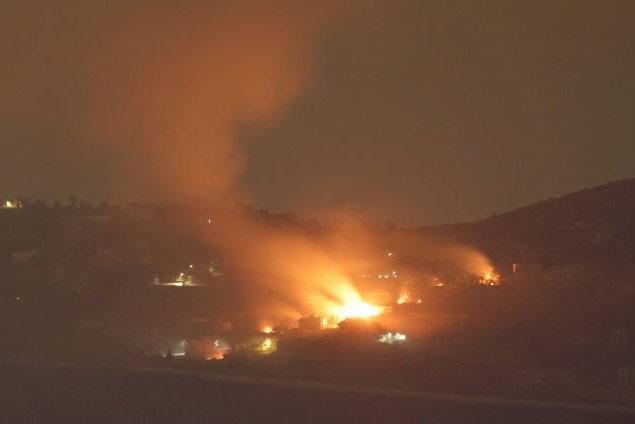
column 199, row 80
column 160, row 90
column 203, row 73
column 242, row 65
column 157, row 88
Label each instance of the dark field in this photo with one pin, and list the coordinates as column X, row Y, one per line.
column 47, row 393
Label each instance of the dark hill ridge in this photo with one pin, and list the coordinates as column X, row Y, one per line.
column 595, row 226
column 611, row 202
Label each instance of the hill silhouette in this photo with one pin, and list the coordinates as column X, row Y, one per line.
column 594, row 226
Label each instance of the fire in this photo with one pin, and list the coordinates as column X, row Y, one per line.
column 267, row 329
column 404, row 298
column 339, row 300
column 356, row 308
column 267, row 346
column 490, row 278
column 215, row 356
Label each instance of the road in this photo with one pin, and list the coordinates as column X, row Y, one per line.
column 68, row 393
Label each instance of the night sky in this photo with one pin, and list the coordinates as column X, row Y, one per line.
column 419, row 111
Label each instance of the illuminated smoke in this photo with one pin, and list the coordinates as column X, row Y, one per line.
column 157, row 88
column 163, row 88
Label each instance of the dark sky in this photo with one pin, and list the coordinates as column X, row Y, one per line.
column 419, row 111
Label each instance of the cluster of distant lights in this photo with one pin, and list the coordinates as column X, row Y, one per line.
column 391, row 338
column 181, row 279
column 218, row 349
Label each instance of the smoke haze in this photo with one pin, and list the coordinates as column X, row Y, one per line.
column 156, row 91
column 154, row 94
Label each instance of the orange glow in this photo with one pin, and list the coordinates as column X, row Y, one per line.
column 324, row 322
column 267, row 329
column 404, row 298
column 267, row 346
column 357, row 309
column 352, row 306
column 215, row 356
column 490, row 278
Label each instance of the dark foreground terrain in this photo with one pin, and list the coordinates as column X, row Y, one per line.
column 59, row 393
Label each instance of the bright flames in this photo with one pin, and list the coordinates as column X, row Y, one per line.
column 341, row 301
column 349, row 304
column 490, row 278
column 356, row 308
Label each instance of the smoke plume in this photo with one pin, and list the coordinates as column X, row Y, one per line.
column 157, row 88
column 158, row 91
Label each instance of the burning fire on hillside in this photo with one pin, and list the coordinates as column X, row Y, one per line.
column 340, row 303
column 490, row 278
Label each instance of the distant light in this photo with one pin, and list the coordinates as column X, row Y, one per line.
column 191, row 266
column 392, row 338
column 389, row 253
column 12, row 204
column 17, row 299
column 209, row 221
column 267, row 346
column 418, row 300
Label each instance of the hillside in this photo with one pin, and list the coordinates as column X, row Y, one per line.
column 595, row 226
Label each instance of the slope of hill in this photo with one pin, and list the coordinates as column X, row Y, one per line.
column 594, row 226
